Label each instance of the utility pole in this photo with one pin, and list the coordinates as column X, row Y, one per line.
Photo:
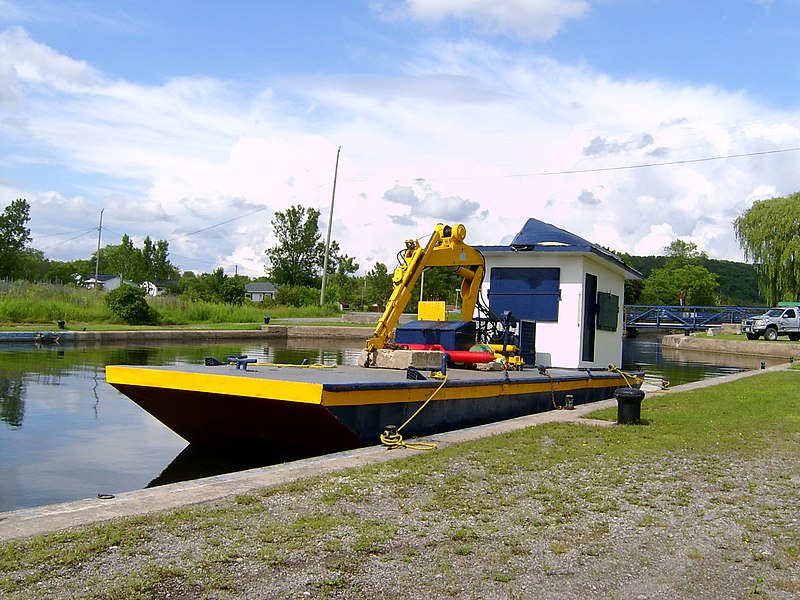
column 97, row 258
column 328, row 239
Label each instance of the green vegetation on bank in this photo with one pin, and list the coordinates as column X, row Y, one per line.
column 510, row 504
column 28, row 303
column 297, row 262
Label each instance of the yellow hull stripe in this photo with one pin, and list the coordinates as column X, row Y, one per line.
column 313, row 393
column 214, row 383
column 455, row 391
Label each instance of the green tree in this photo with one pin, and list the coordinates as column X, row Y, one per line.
column 436, row 283
column 233, row 289
column 14, row 236
column 213, row 287
column 738, row 281
column 296, row 295
column 32, row 265
column 665, row 286
column 377, row 285
column 633, row 287
column 206, row 287
column 769, row 234
column 681, row 253
column 123, row 259
column 148, row 263
column 297, row 258
column 156, row 257
column 441, row 284
column 129, row 304
column 342, row 286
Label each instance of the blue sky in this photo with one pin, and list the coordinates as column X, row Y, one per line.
column 196, row 121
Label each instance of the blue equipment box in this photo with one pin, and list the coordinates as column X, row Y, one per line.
column 450, row 335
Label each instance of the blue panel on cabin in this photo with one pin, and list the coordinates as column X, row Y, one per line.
column 530, row 293
column 450, row 335
column 525, row 280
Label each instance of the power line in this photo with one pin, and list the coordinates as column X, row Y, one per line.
column 258, row 210
column 660, row 164
column 87, row 232
column 46, row 235
column 602, row 169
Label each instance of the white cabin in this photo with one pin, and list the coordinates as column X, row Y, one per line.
column 567, row 293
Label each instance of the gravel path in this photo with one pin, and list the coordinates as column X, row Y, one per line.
column 672, row 526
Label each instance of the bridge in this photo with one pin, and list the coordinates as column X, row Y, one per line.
column 685, row 318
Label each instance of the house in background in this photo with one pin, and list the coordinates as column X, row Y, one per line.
column 157, row 288
column 112, row 282
column 566, row 292
column 104, row 282
column 259, row 291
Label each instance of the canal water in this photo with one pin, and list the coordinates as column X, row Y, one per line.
column 65, row 434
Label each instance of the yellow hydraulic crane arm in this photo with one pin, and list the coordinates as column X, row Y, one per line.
column 446, row 248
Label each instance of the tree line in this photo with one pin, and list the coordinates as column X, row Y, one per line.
column 769, row 233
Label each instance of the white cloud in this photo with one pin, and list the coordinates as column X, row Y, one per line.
column 25, row 62
column 431, row 204
column 541, row 19
column 462, row 132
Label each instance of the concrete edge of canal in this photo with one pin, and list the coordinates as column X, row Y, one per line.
column 265, row 332
column 789, row 351
column 58, row 517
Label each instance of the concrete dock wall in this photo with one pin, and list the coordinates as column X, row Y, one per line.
column 787, row 350
column 144, row 335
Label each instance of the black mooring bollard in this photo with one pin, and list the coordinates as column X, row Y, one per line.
column 266, row 320
column 629, row 405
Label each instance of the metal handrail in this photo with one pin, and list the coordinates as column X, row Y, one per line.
column 686, row 317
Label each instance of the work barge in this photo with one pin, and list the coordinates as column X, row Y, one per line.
column 424, row 377
column 328, row 409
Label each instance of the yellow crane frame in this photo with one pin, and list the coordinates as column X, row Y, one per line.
column 445, row 248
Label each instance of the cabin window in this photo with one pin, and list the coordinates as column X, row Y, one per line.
column 589, row 317
column 607, row 311
column 530, row 293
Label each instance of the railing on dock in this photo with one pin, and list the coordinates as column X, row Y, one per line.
column 685, row 318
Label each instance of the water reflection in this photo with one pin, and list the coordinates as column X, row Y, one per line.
column 684, row 366
column 195, row 462
column 12, row 401
column 65, row 434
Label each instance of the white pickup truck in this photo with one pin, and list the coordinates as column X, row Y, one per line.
column 774, row 322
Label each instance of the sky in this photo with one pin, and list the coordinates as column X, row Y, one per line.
column 631, row 123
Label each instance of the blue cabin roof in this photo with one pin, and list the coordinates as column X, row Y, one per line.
column 538, row 236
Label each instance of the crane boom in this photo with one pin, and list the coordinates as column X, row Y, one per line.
column 445, row 248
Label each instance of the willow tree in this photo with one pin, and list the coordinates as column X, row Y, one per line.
column 769, row 234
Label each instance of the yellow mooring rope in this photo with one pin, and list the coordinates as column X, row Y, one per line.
column 391, row 437
column 627, row 377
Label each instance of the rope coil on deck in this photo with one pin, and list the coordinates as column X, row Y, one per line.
column 391, row 437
